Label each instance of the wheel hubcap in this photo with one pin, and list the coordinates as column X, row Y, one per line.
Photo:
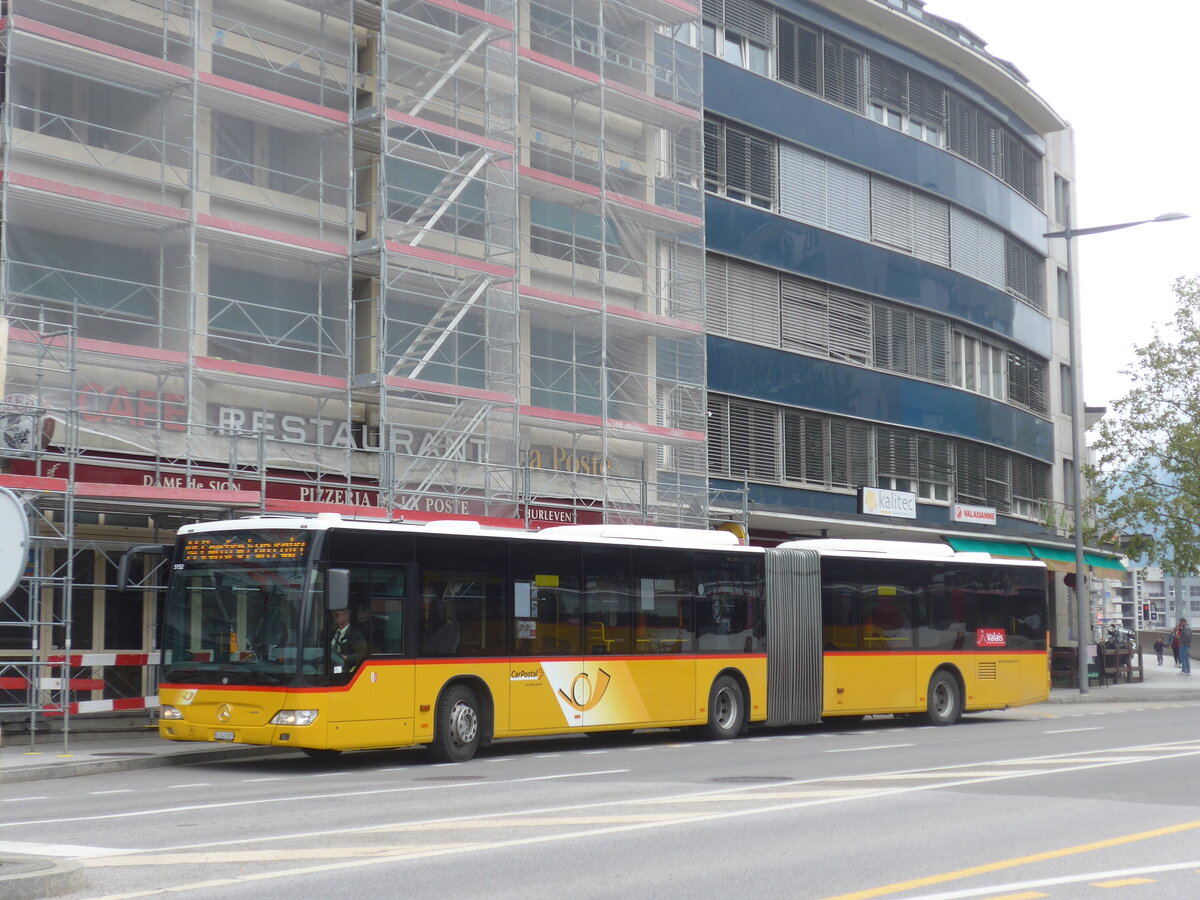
column 726, row 708
column 464, row 724
column 942, row 701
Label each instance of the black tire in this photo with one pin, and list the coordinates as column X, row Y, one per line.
column 944, row 704
column 321, row 755
column 458, row 727
column 726, row 709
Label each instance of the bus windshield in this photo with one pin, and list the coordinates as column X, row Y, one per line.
column 233, row 612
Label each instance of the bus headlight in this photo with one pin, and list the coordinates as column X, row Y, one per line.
column 294, row 717
column 169, row 712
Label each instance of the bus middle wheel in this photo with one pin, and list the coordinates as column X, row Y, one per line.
column 726, row 709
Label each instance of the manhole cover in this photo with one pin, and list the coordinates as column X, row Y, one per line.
column 122, row 754
column 751, row 779
column 451, row 778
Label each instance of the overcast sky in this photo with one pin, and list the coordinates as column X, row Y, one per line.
column 1124, row 76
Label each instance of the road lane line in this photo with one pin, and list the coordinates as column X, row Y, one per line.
column 195, row 807
column 861, row 749
column 1013, row 863
column 1073, row 730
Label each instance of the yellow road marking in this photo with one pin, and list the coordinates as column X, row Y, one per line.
column 1000, row 865
column 1122, row 882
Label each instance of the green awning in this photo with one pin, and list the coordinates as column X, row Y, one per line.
column 1096, row 561
column 1004, row 549
column 1055, row 559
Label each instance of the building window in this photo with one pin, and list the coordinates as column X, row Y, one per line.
column 819, row 63
column 564, row 371
column 1064, row 295
column 1027, row 378
column 1068, row 469
column 906, row 101
column 740, row 164
column 1062, row 199
column 978, row 366
column 1025, row 274
column 1064, row 389
column 741, row 32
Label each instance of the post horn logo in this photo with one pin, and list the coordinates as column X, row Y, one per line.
column 583, row 696
column 224, row 712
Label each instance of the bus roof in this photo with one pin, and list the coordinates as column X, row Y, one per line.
column 640, row 535
column 649, row 535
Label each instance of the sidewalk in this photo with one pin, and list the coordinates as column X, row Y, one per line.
column 139, row 747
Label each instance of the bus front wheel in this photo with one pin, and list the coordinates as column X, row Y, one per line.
column 458, row 730
column 945, row 700
column 726, row 709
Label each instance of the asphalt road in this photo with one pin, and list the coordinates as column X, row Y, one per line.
column 1037, row 802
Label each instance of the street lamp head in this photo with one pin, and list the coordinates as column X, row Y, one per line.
column 1170, row 217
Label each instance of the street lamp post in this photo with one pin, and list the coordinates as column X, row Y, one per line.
column 1083, row 598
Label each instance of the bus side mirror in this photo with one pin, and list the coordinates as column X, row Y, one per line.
column 127, row 560
column 337, row 589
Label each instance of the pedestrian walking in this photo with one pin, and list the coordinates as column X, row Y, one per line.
column 1175, row 645
column 1159, row 647
column 1185, row 647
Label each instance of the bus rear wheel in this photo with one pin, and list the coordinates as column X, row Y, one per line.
column 457, row 731
column 945, row 700
column 726, row 709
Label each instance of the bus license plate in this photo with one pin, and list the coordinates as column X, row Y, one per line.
column 222, row 735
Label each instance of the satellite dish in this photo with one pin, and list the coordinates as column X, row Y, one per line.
column 14, row 541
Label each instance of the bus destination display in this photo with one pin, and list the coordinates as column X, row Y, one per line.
column 247, row 548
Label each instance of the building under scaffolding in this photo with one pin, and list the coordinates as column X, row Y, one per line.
column 413, row 258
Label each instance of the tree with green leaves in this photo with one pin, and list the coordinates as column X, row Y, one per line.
column 1147, row 478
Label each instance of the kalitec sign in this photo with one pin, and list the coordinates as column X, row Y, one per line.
column 979, row 515
column 880, row 502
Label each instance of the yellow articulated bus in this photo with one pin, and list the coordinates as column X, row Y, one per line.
column 326, row 634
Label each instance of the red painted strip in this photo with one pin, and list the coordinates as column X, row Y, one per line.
column 473, row 13
column 563, row 67
column 290, row 376
column 130, row 703
column 67, row 190
column 568, row 299
column 144, row 492
column 686, row 112
column 539, row 412
column 34, row 483
column 269, row 234
column 558, row 181
column 305, row 506
column 132, row 659
column 663, row 211
column 450, row 259
column 103, row 47
column 273, row 97
column 677, row 434
column 449, row 390
column 458, row 134
column 653, row 319
column 86, row 684
column 954, row 655
column 13, row 684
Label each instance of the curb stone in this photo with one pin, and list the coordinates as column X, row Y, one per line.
column 32, row 877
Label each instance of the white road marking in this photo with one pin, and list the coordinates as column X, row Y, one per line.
column 860, row 749
column 69, row 851
column 1073, row 730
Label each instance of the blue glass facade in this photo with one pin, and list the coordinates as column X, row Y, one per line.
column 753, row 377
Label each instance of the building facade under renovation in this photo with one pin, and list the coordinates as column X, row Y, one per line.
column 543, row 261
